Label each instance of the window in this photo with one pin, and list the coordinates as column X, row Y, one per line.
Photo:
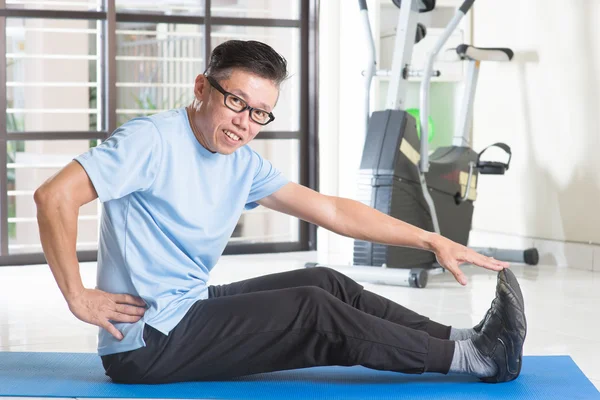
column 71, row 71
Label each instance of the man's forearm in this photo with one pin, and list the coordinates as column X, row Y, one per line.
column 57, row 222
column 356, row 220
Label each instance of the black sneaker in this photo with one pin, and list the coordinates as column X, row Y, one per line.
column 511, row 279
column 503, row 331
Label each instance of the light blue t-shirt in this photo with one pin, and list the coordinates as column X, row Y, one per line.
column 169, row 209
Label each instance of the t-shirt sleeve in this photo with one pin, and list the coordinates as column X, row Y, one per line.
column 267, row 180
column 128, row 161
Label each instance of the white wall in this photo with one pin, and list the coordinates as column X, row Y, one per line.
column 546, row 105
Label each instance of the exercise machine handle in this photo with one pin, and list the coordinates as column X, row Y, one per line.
column 370, row 61
column 466, row 6
column 425, row 83
column 465, row 197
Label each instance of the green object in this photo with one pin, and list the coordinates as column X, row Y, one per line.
column 430, row 131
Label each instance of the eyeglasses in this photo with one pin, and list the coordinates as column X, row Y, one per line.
column 238, row 105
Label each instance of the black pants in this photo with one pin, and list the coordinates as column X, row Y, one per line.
column 303, row 318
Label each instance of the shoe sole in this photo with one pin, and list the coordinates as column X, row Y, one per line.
column 504, row 371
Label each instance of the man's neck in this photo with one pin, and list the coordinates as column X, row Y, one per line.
column 199, row 137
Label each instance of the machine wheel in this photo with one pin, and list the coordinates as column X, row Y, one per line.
column 531, row 256
column 418, row 278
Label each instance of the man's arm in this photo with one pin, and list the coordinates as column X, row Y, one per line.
column 356, row 220
column 346, row 217
column 58, row 201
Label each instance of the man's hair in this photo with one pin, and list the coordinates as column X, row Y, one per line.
column 254, row 57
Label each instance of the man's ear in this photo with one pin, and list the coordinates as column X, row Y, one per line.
column 200, row 86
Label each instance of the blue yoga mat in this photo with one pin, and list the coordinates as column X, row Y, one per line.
column 81, row 375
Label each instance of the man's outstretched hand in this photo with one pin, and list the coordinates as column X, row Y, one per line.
column 451, row 255
column 100, row 308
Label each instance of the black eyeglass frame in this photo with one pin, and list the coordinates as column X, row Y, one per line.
column 225, row 94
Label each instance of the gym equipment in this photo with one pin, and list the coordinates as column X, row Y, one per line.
column 80, row 375
column 416, row 115
column 400, row 178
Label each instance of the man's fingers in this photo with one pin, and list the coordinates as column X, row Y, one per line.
column 130, row 310
column 129, row 299
column 459, row 276
column 491, row 261
column 486, row 262
column 495, row 264
column 110, row 328
column 118, row 317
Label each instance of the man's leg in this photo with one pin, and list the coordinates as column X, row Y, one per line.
column 229, row 336
column 343, row 288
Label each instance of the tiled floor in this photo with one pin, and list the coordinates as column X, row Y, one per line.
column 563, row 305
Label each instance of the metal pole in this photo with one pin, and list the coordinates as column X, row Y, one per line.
column 304, row 117
column 462, row 131
column 3, row 139
column 312, row 142
column 207, row 28
column 406, row 30
column 110, row 68
column 371, row 62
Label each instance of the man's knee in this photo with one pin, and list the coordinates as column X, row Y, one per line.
column 312, row 293
column 324, row 274
column 311, row 290
column 334, row 277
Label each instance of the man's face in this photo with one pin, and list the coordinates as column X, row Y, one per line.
column 223, row 129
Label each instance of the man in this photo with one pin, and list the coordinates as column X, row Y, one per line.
column 173, row 186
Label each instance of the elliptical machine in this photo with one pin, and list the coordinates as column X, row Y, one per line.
column 398, row 176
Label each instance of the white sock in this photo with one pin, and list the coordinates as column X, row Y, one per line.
column 461, row 334
column 468, row 360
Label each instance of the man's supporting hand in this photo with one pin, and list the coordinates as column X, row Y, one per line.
column 100, row 308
